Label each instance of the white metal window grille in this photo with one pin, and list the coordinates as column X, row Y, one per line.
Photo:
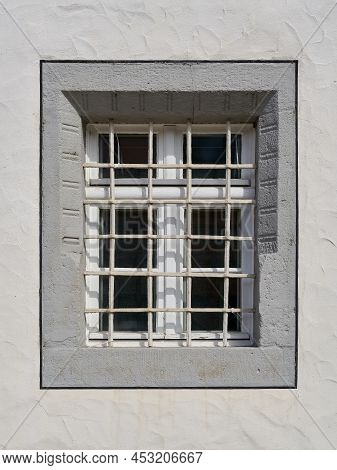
column 169, row 234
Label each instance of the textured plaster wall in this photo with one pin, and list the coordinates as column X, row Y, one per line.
column 163, row 29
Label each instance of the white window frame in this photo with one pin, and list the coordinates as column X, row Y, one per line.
column 171, row 325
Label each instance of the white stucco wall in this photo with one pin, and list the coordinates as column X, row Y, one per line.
column 31, row 30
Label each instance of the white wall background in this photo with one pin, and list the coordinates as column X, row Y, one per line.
column 167, row 29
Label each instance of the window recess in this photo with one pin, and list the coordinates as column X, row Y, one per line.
column 169, row 235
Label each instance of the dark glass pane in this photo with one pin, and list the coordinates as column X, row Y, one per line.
column 128, row 148
column 130, row 292
column 104, row 244
column 131, row 149
column 208, row 253
column 131, row 221
column 236, row 146
column 235, row 246
column 208, row 221
column 234, row 319
column 132, row 252
column 211, row 149
column 129, row 253
column 104, row 155
column 208, row 293
column 103, row 302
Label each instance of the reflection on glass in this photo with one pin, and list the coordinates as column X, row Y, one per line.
column 129, row 252
column 129, row 292
column 104, row 244
column 128, row 148
column 208, row 293
column 210, row 253
column 211, row 149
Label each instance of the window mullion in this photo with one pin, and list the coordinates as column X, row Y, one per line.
column 189, row 232
column 227, row 234
column 112, row 232
column 150, row 240
column 172, row 254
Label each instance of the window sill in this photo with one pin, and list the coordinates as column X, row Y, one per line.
column 196, row 335
column 200, row 339
column 123, row 343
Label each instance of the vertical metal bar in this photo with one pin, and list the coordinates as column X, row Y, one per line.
column 150, row 241
column 227, row 234
column 189, row 232
column 112, row 232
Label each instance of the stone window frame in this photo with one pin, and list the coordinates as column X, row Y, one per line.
column 264, row 92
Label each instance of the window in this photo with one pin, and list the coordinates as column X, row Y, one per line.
column 170, row 234
column 180, row 270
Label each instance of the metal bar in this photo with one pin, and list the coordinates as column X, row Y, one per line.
column 227, row 233
column 112, row 231
column 194, row 166
column 189, row 232
column 173, row 274
column 173, row 237
column 169, row 182
column 168, row 309
column 150, row 241
column 203, row 202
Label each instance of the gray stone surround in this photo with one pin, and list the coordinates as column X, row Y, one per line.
column 74, row 93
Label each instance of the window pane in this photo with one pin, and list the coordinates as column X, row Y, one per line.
column 207, row 253
column 132, row 252
column 234, row 319
column 128, row 148
column 208, row 221
column 130, row 292
column 208, row 293
column 235, row 246
column 103, row 302
column 129, row 253
column 236, row 146
column 211, row 149
column 103, row 155
column 104, row 244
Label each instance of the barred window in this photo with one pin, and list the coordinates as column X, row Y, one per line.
column 167, row 226
column 169, row 234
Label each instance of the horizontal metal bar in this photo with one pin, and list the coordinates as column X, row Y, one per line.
column 163, row 310
column 169, row 182
column 207, row 274
column 168, row 237
column 197, row 128
column 193, row 166
column 203, row 202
